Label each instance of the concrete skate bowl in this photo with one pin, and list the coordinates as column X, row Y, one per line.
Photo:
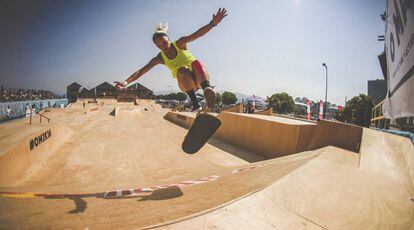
column 112, row 173
column 90, row 163
column 354, row 178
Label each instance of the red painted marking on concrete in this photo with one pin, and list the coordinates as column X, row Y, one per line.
column 131, row 192
column 186, row 183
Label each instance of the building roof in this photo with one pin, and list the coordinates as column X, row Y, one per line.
column 74, row 84
column 139, row 86
column 84, row 89
column 105, row 85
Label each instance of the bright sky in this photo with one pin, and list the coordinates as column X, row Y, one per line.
column 262, row 47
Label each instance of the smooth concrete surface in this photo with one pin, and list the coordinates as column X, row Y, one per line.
column 337, row 134
column 258, row 172
column 30, row 152
column 330, row 191
column 268, row 112
column 134, row 147
column 267, row 136
column 237, row 108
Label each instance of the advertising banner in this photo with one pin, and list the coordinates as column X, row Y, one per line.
column 399, row 41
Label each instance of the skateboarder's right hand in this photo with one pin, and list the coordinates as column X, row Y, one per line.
column 120, row 85
column 217, row 17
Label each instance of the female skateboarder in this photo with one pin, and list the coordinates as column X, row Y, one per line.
column 189, row 72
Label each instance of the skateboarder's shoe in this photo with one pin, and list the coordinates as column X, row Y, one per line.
column 210, row 97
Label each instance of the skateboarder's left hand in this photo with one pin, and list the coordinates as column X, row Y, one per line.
column 221, row 13
column 120, row 85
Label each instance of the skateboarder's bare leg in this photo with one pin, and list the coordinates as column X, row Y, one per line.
column 202, row 80
column 185, row 79
column 187, row 84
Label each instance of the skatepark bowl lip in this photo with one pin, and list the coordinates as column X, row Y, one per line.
column 276, row 166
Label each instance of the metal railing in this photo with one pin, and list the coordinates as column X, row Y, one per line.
column 41, row 116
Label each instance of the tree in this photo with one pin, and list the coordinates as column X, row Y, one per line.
column 171, row 96
column 218, row 99
column 180, row 96
column 228, row 98
column 357, row 111
column 281, row 103
column 300, row 110
column 340, row 116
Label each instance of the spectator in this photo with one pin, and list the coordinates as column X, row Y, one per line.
column 28, row 110
column 8, row 112
column 8, row 95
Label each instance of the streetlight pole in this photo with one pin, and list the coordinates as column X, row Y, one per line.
column 326, row 90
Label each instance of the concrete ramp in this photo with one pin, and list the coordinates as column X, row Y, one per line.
column 331, row 133
column 274, row 136
column 122, row 112
column 31, row 151
column 328, row 192
column 267, row 136
column 389, row 157
column 237, row 108
column 360, row 179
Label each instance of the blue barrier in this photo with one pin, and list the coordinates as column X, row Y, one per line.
column 406, row 134
column 18, row 108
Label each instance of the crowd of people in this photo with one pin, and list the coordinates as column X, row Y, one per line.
column 186, row 106
column 10, row 95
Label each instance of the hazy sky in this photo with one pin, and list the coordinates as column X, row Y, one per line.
column 261, row 47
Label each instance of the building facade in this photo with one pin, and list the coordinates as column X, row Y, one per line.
column 105, row 90
column 72, row 92
column 141, row 91
column 377, row 90
column 86, row 93
column 377, row 117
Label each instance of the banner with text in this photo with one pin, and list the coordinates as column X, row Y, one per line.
column 399, row 41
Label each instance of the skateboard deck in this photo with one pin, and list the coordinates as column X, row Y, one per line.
column 203, row 128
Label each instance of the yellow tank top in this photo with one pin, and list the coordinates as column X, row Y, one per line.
column 183, row 59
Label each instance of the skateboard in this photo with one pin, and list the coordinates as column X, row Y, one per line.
column 203, row 128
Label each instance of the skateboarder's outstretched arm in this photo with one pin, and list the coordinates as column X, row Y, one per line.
column 217, row 17
column 155, row 61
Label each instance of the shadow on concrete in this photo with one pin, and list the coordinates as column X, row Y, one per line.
column 81, row 205
column 112, row 113
column 236, row 151
column 163, row 194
